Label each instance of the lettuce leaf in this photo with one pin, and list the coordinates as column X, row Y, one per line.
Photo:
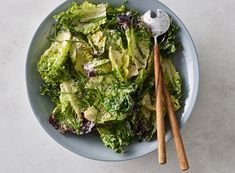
column 120, row 62
column 100, row 115
column 146, row 72
column 51, row 65
column 68, row 114
column 52, row 90
column 113, row 99
column 85, row 18
column 80, row 54
column 118, row 56
column 116, row 136
column 64, row 121
column 114, row 40
column 138, row 41
column 98, row 67
column 144, row 124
column 67, row 97
column 97, row 41
column 67, row 121
column 173, row 81
column 169, row 43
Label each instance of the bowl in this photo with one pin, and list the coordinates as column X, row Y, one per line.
column 90, row 145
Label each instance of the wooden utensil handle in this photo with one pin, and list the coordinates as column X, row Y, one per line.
column 156, row 65
column 159, row 108
column 160, row 125
column 175, row 128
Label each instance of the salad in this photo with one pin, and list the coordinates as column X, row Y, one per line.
column 98, row 71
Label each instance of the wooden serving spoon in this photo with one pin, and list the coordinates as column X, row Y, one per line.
column 159, row 24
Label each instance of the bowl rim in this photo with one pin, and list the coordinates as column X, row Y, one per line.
column 169, row 137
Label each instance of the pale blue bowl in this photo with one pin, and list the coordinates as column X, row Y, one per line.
column 91, row 146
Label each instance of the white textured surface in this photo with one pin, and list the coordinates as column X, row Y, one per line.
column 209, row 135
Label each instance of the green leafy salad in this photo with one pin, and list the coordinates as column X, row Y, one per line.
column 99, row 73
